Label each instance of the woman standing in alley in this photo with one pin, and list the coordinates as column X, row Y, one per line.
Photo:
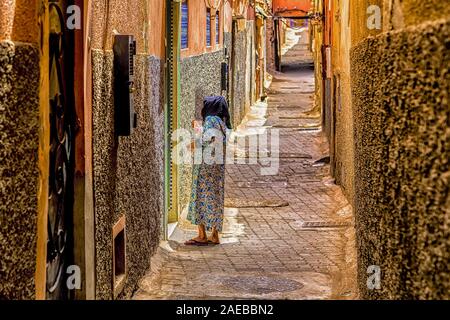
column 207, row 197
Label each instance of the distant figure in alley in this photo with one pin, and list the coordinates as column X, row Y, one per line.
column 208, row 179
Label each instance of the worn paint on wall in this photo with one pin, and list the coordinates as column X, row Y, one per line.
column 19, row 20
column 145, row 19
column 402, row 143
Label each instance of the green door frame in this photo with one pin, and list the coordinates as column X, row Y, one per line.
column 171, row 119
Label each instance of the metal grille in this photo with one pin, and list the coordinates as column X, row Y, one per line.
column 326, row 224
column 171, row 100
column 172, row 105
column 131, row 62
column 59, row 224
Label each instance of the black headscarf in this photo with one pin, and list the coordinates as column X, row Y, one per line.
column 216, row 106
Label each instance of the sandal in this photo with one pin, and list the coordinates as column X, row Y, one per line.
column 213, row 242
column 193, row 242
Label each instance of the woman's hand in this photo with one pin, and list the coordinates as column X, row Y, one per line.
column 191, row 146
column 197, row 124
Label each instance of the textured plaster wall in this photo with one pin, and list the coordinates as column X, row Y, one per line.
column 199, row 77
column 128, row 171
column 126, row 17
column 341, row 99
column 400, row 92
column 19, row 136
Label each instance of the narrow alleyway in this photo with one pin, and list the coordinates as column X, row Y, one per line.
column 287, row 236
column 337, row 179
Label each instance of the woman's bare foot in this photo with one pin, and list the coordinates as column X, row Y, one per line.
column 214, row 237
column 202, row 236
column 197, row 241
column 213, row 241
column 200, row 239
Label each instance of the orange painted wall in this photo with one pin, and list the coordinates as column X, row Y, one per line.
column 328, row 28
column 18, row 20
column 145, row 19
column 239, row 8
column 157, row 27
column 227, row 17
column 197, row 29
column 250, row 13
column 291, row 8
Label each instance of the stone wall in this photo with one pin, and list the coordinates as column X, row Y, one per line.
column 128, row 171
column 19, row 136
column 400, row 93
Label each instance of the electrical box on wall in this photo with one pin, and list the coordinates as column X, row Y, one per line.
column 125, row 117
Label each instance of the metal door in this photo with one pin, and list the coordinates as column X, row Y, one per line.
column 62, row 131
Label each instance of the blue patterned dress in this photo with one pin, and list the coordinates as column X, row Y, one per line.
column 207, row 197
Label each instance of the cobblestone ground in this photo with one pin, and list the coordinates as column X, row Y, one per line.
column 286, row 236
